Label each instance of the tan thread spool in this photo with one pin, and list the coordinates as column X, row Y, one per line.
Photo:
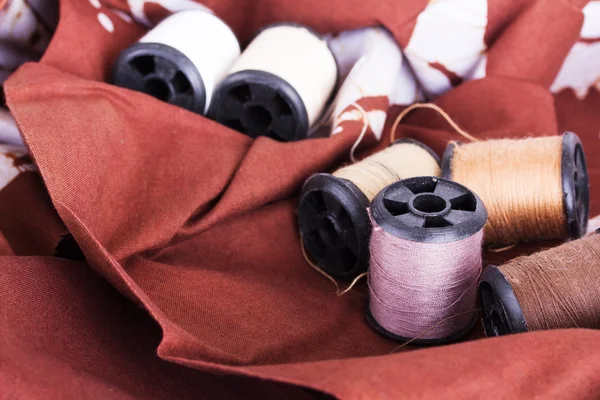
column 534, row 188
column 358, row 198
column 553, row 289
column 332, row 211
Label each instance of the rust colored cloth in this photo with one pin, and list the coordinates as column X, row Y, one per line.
column 29, row 224
column 194, row 284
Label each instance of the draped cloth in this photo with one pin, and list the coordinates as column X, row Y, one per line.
column 161, row 256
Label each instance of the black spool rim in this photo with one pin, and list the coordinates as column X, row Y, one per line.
column 575, row 185
column 447, row 159
column 502, row 313
column 574, row 181
column 335, row 226
column 428, row 210
column 162, row 72
column 423, row 342
column 258, row 103
column 420, row 144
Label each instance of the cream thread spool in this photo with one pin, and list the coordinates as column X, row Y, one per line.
column 425, row 260
column 181, row 60
column 279, row 86
column 332, row 210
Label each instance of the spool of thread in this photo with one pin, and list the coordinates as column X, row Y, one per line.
column 279, row 85
column 425, row 260
column 534, row 188
column 332, row 212
column 553, row 289
column 180, row 61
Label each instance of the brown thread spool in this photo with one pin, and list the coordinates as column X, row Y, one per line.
column 332, row 211
column 518, row 212
column 553, row 289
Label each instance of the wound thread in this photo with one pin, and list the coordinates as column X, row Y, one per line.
column 525, row 185
column 414, row 286
column 404, row 159
column 553, row 289
column 425, row 260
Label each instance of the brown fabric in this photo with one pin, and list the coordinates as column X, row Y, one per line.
column 195, row 225
column 28, row 222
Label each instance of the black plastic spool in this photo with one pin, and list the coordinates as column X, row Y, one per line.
column 163, row 73
column 428, row 210
column 575, row 183
column 502, row 313
column 335, row 225
column 259, row 103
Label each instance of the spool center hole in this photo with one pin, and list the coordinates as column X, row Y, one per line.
column 157, row 88
column 257, row 118
column 429, row 203
column 498, row 325
column 329, row 232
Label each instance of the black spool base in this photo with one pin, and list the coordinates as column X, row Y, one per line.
column 163, row 73
column 574, row 180
column 423, row 342
column 502, row 314
column 258, row 103
column 335, row 226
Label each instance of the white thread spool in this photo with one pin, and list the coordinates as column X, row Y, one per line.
column 181, row 60
column 279, row 85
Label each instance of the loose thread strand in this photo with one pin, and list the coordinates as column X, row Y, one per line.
column 365, row 119
column 500, row 249
column 435, row 107
column 432, row 328
column 338, row 291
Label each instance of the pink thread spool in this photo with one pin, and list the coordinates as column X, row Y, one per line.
column 425, row 260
